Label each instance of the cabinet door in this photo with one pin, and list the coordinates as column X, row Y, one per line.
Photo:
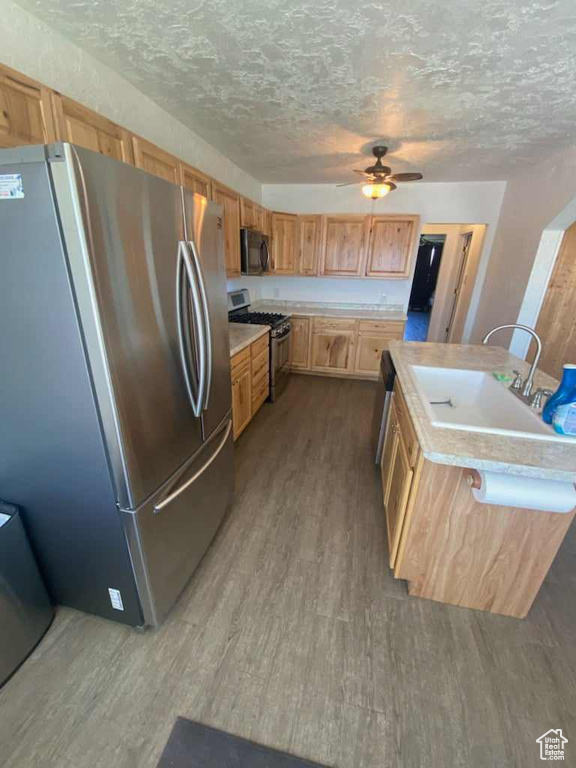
column 398, row 494
column 266, row 219
column 249, row 217
column 79, row 125
column 300, row 343
column 241, row 400
column 389, row 452
column 369, row 352
column 344, row 240
column 284, row 243
column 154, row 160
column 391, row 246
column 230, row 202
column 309, row 234
column 25, row 110
column 333, row 345
column 195, row 180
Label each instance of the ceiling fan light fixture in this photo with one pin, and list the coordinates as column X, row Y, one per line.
column 376, row 191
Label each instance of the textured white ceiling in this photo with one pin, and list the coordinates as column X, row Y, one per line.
column 299, row 90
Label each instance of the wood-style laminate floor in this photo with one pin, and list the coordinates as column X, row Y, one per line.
column 294, row 634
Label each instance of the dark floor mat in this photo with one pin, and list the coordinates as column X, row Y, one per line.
column 193, row 745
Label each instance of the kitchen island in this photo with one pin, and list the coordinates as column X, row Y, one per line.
column 447, row 545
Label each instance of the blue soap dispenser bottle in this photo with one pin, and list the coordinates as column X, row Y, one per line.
column 564, row 395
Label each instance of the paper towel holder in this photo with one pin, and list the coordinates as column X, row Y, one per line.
column 473, row 478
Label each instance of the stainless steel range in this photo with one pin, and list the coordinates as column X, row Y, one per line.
column 281, row 329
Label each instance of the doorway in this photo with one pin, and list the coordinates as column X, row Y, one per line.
column 424, row 286
column 444, row 278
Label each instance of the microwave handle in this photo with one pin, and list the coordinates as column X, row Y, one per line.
column 266, row 253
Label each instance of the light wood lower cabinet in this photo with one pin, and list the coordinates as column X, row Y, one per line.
column 300, row 342
column 451, row 548
column 341, row 347
column 241, row 392
column 250, row 382
column 332, row 345
column 400, row 475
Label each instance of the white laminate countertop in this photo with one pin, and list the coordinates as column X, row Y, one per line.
column 479, row 450
column 242, row 335
column 331, row 309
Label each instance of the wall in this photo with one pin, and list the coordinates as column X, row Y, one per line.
column 30, row 46
column 538, row 204
column 442, row 203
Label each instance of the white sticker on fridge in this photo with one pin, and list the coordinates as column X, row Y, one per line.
column 116, row 599
column 11, row 187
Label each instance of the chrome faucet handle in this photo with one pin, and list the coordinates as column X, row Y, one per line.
column 536, row 399
column 518, row 381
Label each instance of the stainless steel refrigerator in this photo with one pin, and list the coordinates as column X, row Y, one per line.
column 115, row 401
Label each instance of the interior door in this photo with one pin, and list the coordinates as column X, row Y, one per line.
column 135, row 229
column 203, row 227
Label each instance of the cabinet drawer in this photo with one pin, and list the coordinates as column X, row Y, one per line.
column 262, row 372
column 259, row 393
column 392, row 328
column 405, row 425
column 259, row 362
column 322, row 324
column 259, row 345
column 240, row 363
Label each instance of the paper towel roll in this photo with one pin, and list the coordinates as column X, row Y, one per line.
column 525, row 492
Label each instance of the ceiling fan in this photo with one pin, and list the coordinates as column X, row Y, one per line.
column 379, row 180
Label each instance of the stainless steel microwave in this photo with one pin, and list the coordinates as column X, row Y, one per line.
column 254, row 252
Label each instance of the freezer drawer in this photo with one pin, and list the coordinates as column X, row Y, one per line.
column 169, row 535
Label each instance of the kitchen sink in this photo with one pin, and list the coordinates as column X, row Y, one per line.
column 474, row 401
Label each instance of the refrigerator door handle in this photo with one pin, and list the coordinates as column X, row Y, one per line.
column 208, row 359
column 184, row 258
column 170, row 498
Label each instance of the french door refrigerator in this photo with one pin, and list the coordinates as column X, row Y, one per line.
column 115, row 401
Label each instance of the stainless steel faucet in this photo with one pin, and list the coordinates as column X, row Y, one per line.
column 518, row 384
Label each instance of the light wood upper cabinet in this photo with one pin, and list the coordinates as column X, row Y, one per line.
column 230, row 202
column 25, row 111
column 154, row 160
column 249, row 214
column 300, row 343
column 344, row 240
column 309, row 235
column 333, row 345
column 82, row 126
column 195, row 180
column 391, row 246
column 284, row 243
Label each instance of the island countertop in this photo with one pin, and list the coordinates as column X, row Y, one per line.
column 479, row 450
column 379, row 312
column 241, row 335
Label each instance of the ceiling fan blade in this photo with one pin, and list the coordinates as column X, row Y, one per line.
column 348, row 183
column 357, row 171
column 406, row 177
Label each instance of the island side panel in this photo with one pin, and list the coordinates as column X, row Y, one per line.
column 455, row 550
